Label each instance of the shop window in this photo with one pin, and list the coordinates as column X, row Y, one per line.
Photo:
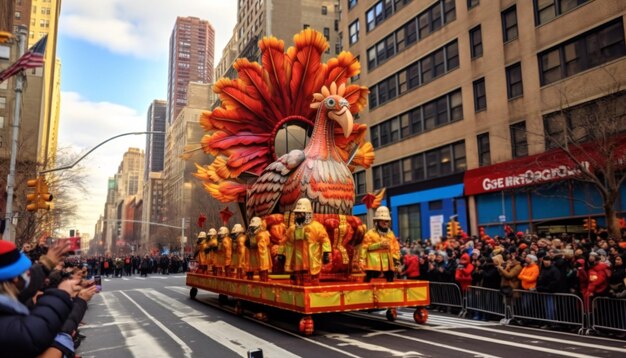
column 409, row 222
column 480, row 95
column 519, row 145
column 509, row 24
column 484, row 150
column 594, row 48
column 514, row 87
column 546, row 10
column 476, row 42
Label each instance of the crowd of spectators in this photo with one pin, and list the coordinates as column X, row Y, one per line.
column 587, row 266
column 42, row 301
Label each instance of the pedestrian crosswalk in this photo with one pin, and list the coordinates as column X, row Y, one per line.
column 137, row 277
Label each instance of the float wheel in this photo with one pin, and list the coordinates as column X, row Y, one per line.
column 306, row 326
column 193, row 292
column 392, row 314
column 420, row 315
column 222, row 299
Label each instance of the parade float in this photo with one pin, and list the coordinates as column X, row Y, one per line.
column 267, row 263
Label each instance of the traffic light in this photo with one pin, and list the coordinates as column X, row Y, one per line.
column 452, row 228
column 41, row 197
column 593, row 225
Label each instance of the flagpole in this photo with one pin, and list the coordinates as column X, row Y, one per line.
column 19, row 82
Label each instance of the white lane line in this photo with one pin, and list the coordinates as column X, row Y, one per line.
column 347, row 341
column 186, row 349
column 491, row 340
column 125, row 279
column 136, row 339
column 233, row 338
column 185, row 292
column 139, row 278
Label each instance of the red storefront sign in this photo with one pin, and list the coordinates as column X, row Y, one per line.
column 537, row 169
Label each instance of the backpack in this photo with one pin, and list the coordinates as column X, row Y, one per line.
column 106, row 264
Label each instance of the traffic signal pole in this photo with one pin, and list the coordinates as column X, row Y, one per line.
column 19, row 84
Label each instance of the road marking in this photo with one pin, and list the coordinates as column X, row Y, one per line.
column 125, row 279
column 140, row 278
column 233, row 338
column 137, row 340
column 347, row 341
column 488, row 339
column 185, row 292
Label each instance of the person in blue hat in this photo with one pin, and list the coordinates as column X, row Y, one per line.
column 24, row 332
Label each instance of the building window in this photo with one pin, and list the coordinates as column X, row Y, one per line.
column 514, row 87
column 359, row 183
column 305, row 26
column 3, row 102
column 18, row 15
column 352, row 3
column 509, row 24
column 519, row 145
column 476, row 42
column 472, row 4
column 327, row 33
column 324, row 10
column 1, row 121
column 5, row 52
column 592, row 49
column 354, row 32
column 484, row 151
column 546, row 10
column 480, row 95
column 409, row 222
column 425, row 70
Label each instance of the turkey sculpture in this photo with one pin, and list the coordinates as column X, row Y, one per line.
column 290, row 88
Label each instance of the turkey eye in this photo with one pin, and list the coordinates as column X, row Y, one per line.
column 330, row 103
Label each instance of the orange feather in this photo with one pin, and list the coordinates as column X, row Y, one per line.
column 276, row 64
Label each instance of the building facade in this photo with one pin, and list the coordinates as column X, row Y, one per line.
column 282, row 19
column 463, row 88
column 155, row 143
column 192, row 47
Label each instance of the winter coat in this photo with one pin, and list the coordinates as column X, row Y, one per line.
column 28, row 334
column 411, row 266
column 509, row 277
column 490, row 276
column 463, row 274
column 598, row 279
column 529, row 276
column 549, row 280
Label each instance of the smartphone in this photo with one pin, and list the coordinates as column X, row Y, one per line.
column 97, row 279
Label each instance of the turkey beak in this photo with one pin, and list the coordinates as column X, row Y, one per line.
column 344, row 118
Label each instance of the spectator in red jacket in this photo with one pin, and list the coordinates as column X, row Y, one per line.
column 598, row 276
column 411, row 267
column 463, row 274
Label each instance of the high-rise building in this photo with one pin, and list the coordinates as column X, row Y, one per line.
column 282, row 19
column 463, row 95
column 155, row 143
column 192, row 47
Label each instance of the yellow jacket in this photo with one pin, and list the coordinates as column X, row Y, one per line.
column 305, row 247
column 224, row 252
column 202, row 256
column 259, row 256
column 376, row 257
column 240, row 252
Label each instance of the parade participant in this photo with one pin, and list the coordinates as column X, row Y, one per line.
column 238, row 262
column 224, row 252
column 380, row 251
column 258, row 246
column 211, row 247
column 200, row 254
column 308, row 245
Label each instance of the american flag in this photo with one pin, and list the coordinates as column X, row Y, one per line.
column 31, row 59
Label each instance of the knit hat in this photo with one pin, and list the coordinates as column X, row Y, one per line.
column 12, row 262
column 601, row 252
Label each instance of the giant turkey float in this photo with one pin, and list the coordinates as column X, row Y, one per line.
column 294, row 89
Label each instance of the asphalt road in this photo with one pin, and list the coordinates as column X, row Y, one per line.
column 154, row 317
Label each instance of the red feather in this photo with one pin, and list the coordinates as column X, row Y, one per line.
column 277, row 66
column 258, row 87
column 225, row 140
column 307, row 70
column 201, row 220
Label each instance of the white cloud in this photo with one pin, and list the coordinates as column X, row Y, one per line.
column 142, row 28
column 86, row 124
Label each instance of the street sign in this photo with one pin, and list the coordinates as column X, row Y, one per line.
column 502, row 218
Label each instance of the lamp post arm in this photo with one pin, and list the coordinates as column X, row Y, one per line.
column 94, row 148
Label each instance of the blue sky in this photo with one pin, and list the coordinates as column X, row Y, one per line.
column 114, row 56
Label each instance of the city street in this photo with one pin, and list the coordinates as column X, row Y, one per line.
column 154, row 317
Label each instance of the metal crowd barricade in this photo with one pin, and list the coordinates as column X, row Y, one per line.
column 608, row 313
column 486, row 300
column 445, row 294
column 561, row 308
